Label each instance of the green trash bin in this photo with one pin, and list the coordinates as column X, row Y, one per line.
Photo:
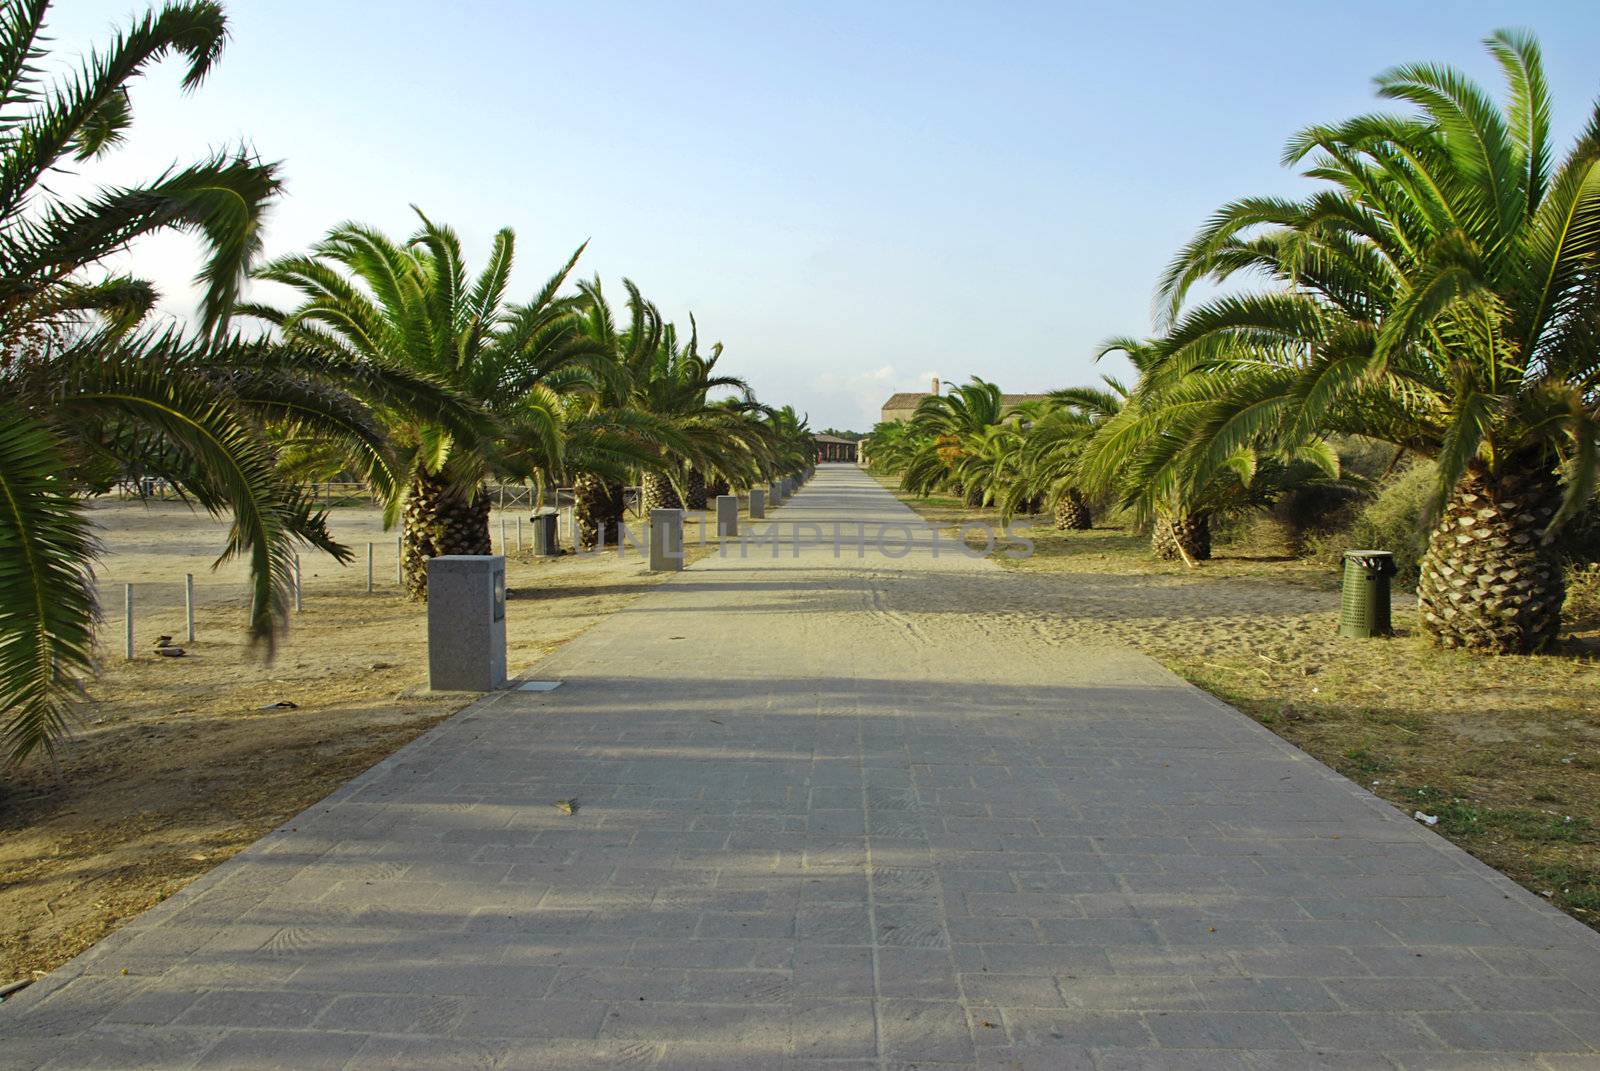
column 546, row 541
column 1364, row 601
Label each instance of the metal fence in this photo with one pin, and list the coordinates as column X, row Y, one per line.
column 343, row 493
column 378, row 566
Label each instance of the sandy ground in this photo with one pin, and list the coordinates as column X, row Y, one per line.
column 177, row 765
column 1505, row 752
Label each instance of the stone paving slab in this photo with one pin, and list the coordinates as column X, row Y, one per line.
column 822, row 826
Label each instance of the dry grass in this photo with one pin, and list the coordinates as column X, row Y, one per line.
column 1502, row 750
column 176, row 765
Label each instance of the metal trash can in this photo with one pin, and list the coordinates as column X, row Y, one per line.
column 546, row 541
column 1364, row 598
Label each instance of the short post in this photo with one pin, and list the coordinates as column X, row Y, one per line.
column 775, row 492
column 188, row 604
column 504, row 545
column 666, row 540
column 519, row 533
column 466, row 622
column 758, row 504
column 399, row 560
column 127, row 622
column 369, row 568
column 297, row 583
column 727, row 515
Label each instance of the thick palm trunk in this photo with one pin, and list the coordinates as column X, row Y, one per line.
column 1072, row 511
column 439, row 520
column 659, row 493
column 717, row 488
column 694, row 490
column 1489, row 581
column 597, row 511
column 1182, row 537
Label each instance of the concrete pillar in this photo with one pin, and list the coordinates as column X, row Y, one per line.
column 666, row 540
column 727, row 515
column 466, row 622
column 758, row 503
column 775, row 491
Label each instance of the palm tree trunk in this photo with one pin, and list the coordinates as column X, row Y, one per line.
column 694, row 490
column 1489, row 580
column 439, row 519
column 717, row 488
column 1072, row 511
column 1185, row 536
column 597, row 508
column 659, row 493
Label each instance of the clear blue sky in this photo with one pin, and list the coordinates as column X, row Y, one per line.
column 851, row 196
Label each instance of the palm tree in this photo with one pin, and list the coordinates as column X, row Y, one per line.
column 750, row 446
column 1439, row 293
column 1144, row 453
column 656, row 418
column 90, row 394
column 950, row 426
column 788, row 446
column 675, row 385
column 1052, row 447
column 597, row 489
column 889, row 447
column 990, row 466
column 626, row 437
column 409, row 309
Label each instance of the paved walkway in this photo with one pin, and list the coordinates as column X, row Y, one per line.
column 824, row 824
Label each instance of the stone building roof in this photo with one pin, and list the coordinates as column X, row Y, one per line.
column 904, row 400
column 910, row 400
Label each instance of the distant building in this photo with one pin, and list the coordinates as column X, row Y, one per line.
column 901, row 406
column 833, row 448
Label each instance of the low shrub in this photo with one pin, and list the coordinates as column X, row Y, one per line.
column 1392, row 520
column 1583, row 592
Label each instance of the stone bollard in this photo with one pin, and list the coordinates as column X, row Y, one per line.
column 727, row 515
column 466, row 622
column 546, row 537
column 758, row 503
column 666, row 540
column 775, row 491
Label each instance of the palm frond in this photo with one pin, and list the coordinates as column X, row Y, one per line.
column 47, row 603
